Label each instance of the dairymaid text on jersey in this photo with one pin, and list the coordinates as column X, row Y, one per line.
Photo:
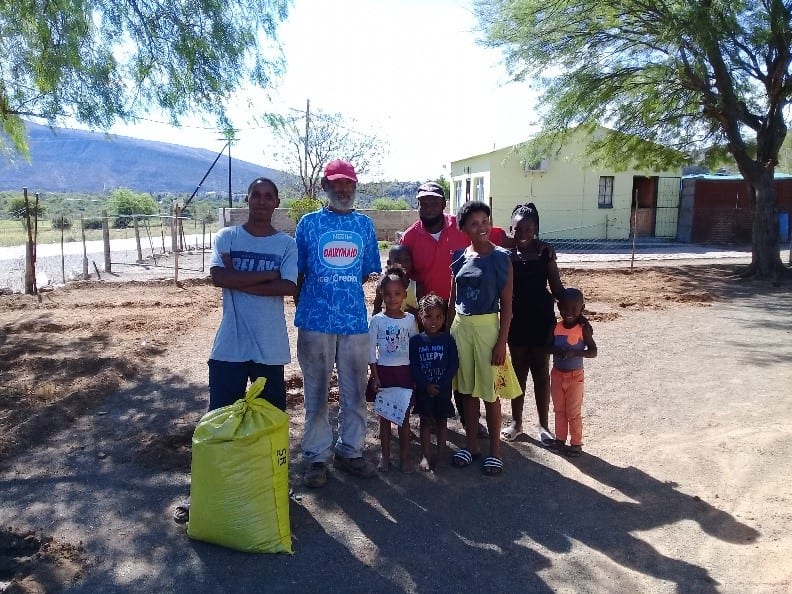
column 340, row 249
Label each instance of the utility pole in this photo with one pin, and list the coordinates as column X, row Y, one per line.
column 307, row 127
column 230, row 201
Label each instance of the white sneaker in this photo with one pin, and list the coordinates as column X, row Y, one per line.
column 545, row 437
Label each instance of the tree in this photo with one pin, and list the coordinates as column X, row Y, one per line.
column 330, row 136
column 101, row 60
column 302, row 206
column 16, row 208
column 444, row 183
column 126, row 203
column 389, row 204
column 682, row 75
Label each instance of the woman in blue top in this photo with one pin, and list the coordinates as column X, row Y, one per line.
column 480, row 312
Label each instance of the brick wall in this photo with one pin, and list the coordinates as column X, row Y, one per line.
column 722, row 210
column 387, row 222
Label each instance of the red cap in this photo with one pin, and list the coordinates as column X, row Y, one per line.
column 339, row 169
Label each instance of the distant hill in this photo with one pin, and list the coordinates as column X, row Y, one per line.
column 64, row 160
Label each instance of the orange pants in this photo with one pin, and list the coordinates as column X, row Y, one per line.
column 566, row 389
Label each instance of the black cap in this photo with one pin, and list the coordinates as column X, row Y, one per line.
column 431, row 189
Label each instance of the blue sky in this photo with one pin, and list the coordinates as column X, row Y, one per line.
column 409, row 70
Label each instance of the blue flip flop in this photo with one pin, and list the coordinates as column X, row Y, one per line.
column 463, row 458
column 492, row 466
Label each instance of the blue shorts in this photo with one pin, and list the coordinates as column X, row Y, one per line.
column 228, row 382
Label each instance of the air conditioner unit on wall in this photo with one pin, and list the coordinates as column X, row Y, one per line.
column 537, row 166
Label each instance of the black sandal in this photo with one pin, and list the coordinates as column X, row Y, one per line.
column 463, row 458
column 492, row 466
column 181, row 515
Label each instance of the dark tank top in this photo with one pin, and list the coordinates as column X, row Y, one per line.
column 533, row 314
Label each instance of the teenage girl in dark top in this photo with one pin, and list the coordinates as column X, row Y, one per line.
column 533, row 315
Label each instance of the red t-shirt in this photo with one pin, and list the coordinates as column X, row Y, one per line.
column 498, row 236
column 432, row 257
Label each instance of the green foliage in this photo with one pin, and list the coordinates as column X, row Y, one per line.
column 125, row 203
column 15, row 207
column 388, row 204
column 687, row 76
column 679, row 75
column 445, row 184
column 92, row 223
column 99, row 60
column 384, row 246
column 303, row 206
column 61, row 222
column 205, row 212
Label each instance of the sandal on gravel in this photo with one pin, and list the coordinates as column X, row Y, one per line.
column 510, row 432
column 492, row 466
column 557, row 445
column 574, row 451
column 463, row 458
column 181, row 515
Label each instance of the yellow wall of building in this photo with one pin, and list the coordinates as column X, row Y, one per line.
column 566, row 194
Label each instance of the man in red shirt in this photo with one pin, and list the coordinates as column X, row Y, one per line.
column 431, row 241
column 434, row 237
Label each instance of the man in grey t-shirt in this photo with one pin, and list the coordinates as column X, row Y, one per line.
column 256, row 265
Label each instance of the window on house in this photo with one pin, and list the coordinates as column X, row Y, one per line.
column 479, row 185
column 458, row 194
column 605, row 199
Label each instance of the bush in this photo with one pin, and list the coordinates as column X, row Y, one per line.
column 126, row 203
column 388, row 204
column 61, row 222
column 92, row 223
column 303, row 206
column 15, row 207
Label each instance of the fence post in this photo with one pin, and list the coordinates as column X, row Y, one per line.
column 175, row 229
column 106, row 240
column 137, row 239
column 30, row 262
column 203, row 246
column 63, row 256
column 175, row 232
column 635, row 230
column 85, row 248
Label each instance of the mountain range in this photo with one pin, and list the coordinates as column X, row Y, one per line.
column 66, row 160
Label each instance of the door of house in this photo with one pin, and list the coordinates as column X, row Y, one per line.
column 667, row 207
column 642, row 211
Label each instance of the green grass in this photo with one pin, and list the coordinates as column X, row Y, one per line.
column 13, row 233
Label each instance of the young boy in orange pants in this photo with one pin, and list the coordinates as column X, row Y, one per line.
column 572, row 342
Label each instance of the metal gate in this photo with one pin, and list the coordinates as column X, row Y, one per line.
column 667, row 207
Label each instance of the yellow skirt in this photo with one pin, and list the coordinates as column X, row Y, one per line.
column 475, row 338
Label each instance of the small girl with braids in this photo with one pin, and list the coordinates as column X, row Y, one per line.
column 389, row 357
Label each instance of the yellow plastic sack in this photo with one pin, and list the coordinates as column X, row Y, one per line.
column 506, row 384
column 239, row 496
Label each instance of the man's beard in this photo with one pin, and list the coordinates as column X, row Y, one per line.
column 333, row 201
column 433, row 222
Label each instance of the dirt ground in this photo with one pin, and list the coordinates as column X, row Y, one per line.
column 684, row 485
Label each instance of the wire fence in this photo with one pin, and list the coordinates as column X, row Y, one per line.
column 95, row 245
column 63, row 255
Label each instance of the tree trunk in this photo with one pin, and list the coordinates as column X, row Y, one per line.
column 766, row 259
